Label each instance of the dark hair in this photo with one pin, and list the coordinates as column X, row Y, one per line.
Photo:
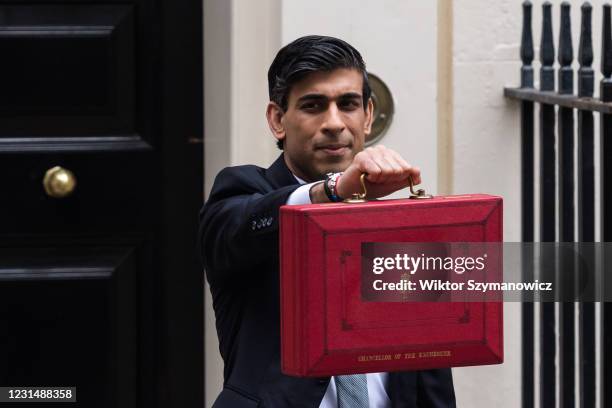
column 310, row 54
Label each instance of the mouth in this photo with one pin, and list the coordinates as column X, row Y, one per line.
column 334, row 149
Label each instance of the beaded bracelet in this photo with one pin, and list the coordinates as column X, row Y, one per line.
column 330, row 187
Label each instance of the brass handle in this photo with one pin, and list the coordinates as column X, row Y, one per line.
column 59, row 182
column 361, row 197
column 419, row 194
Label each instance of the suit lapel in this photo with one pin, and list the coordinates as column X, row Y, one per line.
column 279, row 174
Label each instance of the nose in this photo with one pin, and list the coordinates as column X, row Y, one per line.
column 333, row 124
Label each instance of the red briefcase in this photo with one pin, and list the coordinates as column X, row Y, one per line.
column 330, row 327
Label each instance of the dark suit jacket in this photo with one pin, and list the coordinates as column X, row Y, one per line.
column 239, row 247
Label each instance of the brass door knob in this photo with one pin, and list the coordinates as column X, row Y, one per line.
column 59, row 182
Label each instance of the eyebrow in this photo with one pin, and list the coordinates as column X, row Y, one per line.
column 318, row 97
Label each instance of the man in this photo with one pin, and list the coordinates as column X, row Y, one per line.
column 319, row 112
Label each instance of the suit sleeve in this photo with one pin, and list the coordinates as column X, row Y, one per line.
column 239, row 223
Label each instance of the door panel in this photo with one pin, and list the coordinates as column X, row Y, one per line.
column 69, row 69
column 71, row 314
column 101, row 289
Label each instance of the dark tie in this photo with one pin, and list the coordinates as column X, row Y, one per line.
column 352, row 391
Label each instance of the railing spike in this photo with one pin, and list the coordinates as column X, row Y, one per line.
column 547, row 50
column 566, row 51
column 585, row 49
column 606, row 42
column 586, row 76
column 526, row 47
column 527, row 38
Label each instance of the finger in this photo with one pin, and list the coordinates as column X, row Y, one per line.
column 406, row 167
column 372, row 169
column 379, row 157
column 409, row 170
column 402, row 168
column 369, row 164
column 399, row 172
column 416, row 175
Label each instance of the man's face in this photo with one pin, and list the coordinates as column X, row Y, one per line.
column 325, row 124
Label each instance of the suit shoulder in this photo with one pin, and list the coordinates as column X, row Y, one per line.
column 247, row 171
column 244, row 179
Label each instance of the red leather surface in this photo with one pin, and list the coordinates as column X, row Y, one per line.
column 326, row 329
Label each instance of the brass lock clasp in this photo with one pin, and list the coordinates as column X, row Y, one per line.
column 420, row 194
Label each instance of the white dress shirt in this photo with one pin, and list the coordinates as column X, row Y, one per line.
column 377, row 394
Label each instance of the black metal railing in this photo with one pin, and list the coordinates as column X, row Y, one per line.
column 557, row 181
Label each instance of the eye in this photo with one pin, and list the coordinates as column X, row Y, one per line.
column 350, row 103
column 311, row 106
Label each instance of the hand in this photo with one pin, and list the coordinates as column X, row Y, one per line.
column 386, row 170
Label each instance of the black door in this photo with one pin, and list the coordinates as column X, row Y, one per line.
column 101, row 166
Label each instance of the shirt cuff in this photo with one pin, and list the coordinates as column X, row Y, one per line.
column 301, row 195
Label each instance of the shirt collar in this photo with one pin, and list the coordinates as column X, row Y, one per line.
column 299, row 179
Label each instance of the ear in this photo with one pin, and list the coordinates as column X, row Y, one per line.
column 274, row 114
column 367, row 127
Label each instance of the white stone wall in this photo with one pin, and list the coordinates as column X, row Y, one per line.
column 487, row 159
